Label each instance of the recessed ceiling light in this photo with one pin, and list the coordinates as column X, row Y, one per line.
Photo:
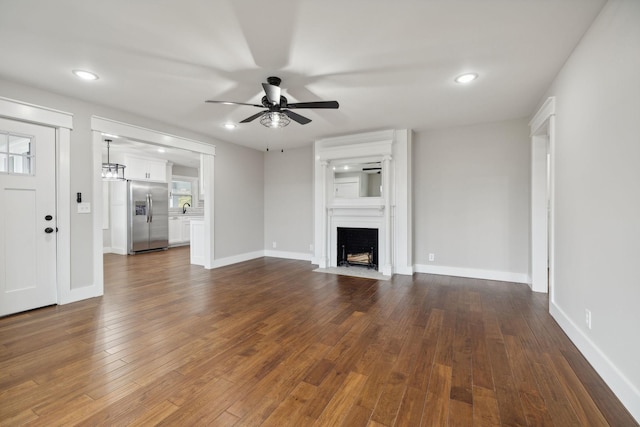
column 466, row 78
column 229, row 126
column 161, row 150
column 85, row 75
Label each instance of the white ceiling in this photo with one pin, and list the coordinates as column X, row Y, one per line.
column 390, row 64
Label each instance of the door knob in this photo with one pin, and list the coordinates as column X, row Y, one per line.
column 48, row 230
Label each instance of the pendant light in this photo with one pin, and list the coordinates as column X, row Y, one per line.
column 112, row 171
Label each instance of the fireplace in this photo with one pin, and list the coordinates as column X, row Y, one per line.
column 357, row 246
column 389, row 215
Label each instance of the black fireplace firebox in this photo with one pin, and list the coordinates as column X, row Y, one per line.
column 358, row 246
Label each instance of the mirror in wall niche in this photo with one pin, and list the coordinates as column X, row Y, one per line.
column 355, row 180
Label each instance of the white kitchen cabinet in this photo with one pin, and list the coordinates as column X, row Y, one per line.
column 197, row 244
column 185, row 232
column 145, row 169
column 179, row 230
column 175, row 231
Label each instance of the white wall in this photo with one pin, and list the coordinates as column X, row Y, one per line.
column 597, row 204
column 288, row 200
column 239, row 201
column 471, row 200
column 184, row 171
column 238, row 177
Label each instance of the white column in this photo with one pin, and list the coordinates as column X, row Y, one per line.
column 324, row 256
column 386, row 188
column 208, row 172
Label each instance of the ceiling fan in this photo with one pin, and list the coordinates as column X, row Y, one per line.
column 278, row 110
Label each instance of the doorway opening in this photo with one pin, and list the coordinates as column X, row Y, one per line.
column 542, row 198
column 102, row 127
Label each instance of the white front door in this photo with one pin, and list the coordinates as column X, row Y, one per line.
column 27, row 216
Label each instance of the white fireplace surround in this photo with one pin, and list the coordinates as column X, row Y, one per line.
column 390, row 213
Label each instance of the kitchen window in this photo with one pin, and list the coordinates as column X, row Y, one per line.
column 183, row 190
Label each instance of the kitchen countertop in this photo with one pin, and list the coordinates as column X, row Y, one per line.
column 178, row 216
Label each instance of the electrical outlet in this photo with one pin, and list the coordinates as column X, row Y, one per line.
column 587, row 317
column 275, row 244
column 432, row 257
column 84, row 208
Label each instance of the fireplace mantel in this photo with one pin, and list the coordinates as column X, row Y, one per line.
column 390, row 213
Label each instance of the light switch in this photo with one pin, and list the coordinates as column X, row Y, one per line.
column 84, row 208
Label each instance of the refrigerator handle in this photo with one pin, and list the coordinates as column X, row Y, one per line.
column 147, row 202
column 150, row 207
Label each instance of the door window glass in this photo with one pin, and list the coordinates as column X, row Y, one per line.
column 16, row 154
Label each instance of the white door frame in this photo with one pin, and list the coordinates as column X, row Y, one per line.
column 542, row 198
column 62, row 122
column 100, row 125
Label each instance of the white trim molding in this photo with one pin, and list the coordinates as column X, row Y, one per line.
column 472, row 273
column 248, row 256
column 300, row 256
column 234, row 259
column 547, row 110
column 137, row 133
column 25, row 112
column 541, row 233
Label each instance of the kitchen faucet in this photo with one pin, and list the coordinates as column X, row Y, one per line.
column 184, row 207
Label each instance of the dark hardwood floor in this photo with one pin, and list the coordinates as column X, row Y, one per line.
column 269, row 342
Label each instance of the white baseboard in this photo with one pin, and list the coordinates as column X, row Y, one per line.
column 628, row 394
column 114, row 251
column 259, row 254
column 474, row 273
column 288, row 255
column 407, row 271
column 234, row 259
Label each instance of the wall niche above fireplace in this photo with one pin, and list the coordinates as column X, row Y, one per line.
column 354, row 180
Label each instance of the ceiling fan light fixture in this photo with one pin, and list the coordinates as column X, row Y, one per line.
column 466, row 78
column 274, row 119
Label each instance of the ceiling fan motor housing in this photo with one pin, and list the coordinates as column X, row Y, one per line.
column 275, row 81
column 283, row 103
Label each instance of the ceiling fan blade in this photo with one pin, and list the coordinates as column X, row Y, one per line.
column 233, row 103
column 273, row 93
column 255, row 116
column 317, row 104
column 297, row 117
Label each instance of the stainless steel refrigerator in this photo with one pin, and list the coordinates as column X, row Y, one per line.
column 148, row 221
